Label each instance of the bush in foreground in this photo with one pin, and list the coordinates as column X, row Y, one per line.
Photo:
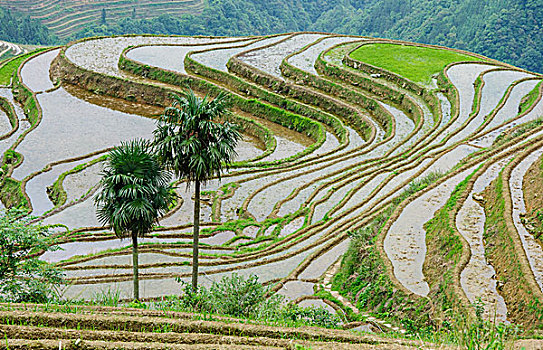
column 23, row 277
column 246, row 298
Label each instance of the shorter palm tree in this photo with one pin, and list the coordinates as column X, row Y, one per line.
column 135, row 192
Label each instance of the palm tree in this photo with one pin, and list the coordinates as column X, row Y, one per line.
column 135, row 192
column 191, row 141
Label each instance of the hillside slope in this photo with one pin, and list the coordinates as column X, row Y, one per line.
column 63, row 17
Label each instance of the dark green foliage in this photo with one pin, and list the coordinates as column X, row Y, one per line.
column 190, row 140
column 103, row 17
column 233, row 295
column 135, row 190
column 24, row 279
column 21, row 29
column 135, row 193
column 238, row 296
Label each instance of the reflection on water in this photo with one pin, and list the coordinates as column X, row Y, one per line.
column 35, row 72
column 79, row 128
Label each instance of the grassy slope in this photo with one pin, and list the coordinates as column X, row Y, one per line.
column 417, row 64
column 10, row 67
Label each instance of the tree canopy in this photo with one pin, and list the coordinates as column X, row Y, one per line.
column 23, row 276
column 22, row 29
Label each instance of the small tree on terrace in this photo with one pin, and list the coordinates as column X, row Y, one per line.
column 192, row 142
column 135, row 193
column 23, row 276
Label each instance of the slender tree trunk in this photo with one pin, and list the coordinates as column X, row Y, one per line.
column 135, row 267
column 196, row 235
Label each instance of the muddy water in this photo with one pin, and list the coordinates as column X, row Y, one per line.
column 185, row 214
column 78, row 184
column 148, row 288
column 405, row 242
column 337, row 195
column 331, row 143
column 510, row 110
column 496, row 84
column 143, row 258
column 404, row 126
column 167, row 57
column 440, row 165
column 36, row 188
column 361, row 194
column 447, row 161
column 336, row 55
column 355, row 140
column 72, row 249
column 263, row 202
column 168, row 286
column 319, row 266
column 306, row 60
column 80, row 215
column 445, row 109
column 270, row 196
column 292, row 227
column 533, row 249
column 75, row 124
column 23, row 125
column 288, row 142
column 268, row 269
column 250, row 231
column 113, row 103
column 102, row 55
column 478, row 277
column 217, row 59
column 5, row 125
column 35, row 73
column 248, row 148
column 295, row 289
column 285, row 148
column 269, row 59
column 462, row 77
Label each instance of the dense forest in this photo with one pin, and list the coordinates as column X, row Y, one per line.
column 23, row 30
column 507, row 30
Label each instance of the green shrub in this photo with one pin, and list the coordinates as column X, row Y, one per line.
column 317, row 316
column 238, row 296
column 24, row 278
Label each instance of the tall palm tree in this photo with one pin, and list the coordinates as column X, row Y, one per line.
column 135, row 192
column 191, row 140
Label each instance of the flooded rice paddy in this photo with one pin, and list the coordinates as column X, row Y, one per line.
column 284, row 220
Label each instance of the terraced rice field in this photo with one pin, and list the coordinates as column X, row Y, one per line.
column 67, row 17
column 113, row 328
column 331, row 143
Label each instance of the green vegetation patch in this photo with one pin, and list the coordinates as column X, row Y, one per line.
column 9, row 68
column 12, row 195
column 415, row 63
column 528, row 100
